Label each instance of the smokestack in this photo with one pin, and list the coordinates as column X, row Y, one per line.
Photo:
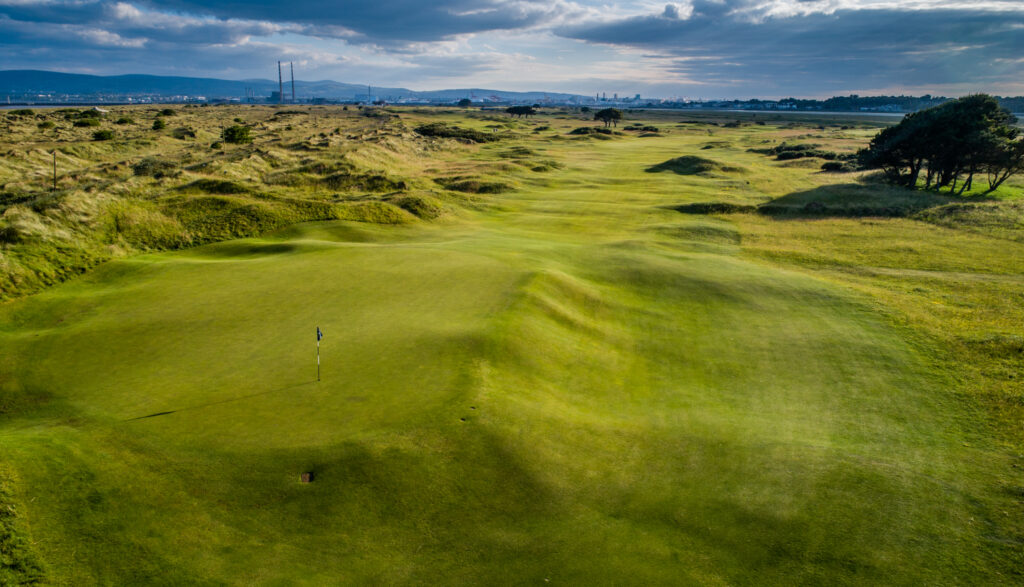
column 280, row 84
column 292, row 66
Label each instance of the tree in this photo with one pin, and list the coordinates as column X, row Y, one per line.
column 465, row 103
column 517, row 111
column 949, row 144
column 585, row 109
column 1006, row 160
column 609, row 116
column 236, row 134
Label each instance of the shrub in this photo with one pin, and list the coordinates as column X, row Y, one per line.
column 715, row 208
column 159, row 124
column 590, row 130
column 153, row 167
column 86, row 122
column 183, row 133
column 46, row 124
column 473, row 186
column 236, row 134
column 124, row 120
column 216, row 186
column 167, row 112
column 22, row 112
column 790, row 155
column 103, row 135
column 367, row 182
column 216, row 145
column 838, row 166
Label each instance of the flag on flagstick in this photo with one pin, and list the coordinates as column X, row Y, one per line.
column 319, row 335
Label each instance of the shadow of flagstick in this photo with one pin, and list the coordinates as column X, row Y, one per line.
column 223, row 401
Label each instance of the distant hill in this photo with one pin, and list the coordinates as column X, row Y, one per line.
column 23, row 84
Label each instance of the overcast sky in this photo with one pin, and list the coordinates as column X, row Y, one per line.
column 694, row 49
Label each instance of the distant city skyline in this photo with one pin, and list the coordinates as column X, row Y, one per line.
column 708, row 49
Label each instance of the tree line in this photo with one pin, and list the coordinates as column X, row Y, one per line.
column 949, row 146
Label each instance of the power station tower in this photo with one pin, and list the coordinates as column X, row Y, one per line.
column 280, row 84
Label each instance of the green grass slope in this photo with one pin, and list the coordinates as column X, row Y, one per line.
column 567, row 383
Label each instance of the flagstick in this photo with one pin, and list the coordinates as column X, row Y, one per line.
column 318, row 358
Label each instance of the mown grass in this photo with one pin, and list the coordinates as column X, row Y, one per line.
column 567, row 381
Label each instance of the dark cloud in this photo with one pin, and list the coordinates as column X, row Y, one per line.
column 382, row 21
column 700, row 47
column 721, row 46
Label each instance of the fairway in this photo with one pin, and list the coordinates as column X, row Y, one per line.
column 570, row 382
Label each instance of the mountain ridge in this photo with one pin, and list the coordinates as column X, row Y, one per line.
column 25, row 82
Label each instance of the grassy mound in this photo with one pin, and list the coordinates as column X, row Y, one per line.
column 142, row 226
column 213, row 218
column 216, row 186
column 440, row 129
column 424, row 207
column 591, row 130
column 692, row 165
column 474, row 186
column 375, row 212
column 364, row 182
column 1004, row 219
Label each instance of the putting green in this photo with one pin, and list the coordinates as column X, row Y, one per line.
column 580, row 386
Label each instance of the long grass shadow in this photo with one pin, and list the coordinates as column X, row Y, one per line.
column 223, row 401
column 848, row 200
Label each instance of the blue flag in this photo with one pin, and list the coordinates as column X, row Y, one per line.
column 319, row 334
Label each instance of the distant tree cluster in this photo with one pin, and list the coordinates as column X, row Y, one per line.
column 521, row 111
column 609, row 116
column 949, row 145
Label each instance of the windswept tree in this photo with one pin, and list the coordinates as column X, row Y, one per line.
column 521, row 111
column 465, row 103
column 1005, row 159
column 609, row 116
column 949, row 145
